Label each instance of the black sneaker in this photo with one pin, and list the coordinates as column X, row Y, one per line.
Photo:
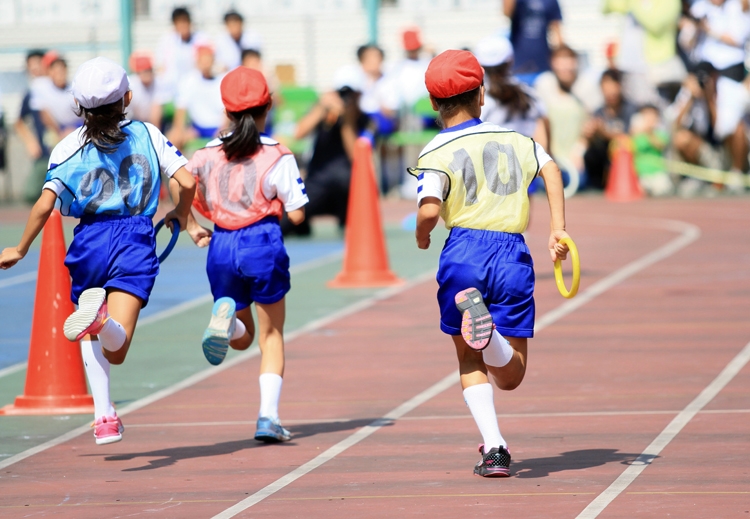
column 494, row 464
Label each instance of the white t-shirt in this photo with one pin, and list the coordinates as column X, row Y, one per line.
column 283, row 181
column 174, row 60
column 408, row 80
column 378, row 95
column 57, row 102
column 435, row 184
column 724, row 19
column 496, row 113
column 201, row 98
column 229, row 53
column 170, row 158
column 143, row 99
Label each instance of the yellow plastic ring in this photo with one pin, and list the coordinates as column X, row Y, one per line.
column 576, row 270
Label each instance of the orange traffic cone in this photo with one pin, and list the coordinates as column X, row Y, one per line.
column 622, row 184
column 365, row 255
column 55, row 382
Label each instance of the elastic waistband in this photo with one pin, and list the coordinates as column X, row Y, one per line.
column 116, row 219
column 476, row 234
column 272, row 219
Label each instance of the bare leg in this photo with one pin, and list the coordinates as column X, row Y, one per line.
column 737, row 143
column 474, row 371
column 271, row 336
column 123, row 308
column 244, row 342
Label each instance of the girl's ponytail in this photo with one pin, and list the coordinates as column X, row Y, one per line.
column 244, row 141
column 102, row 125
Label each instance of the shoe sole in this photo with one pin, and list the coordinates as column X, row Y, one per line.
column 217, row 335
column 476, row 324
column 268, row 436
column 109, row 439
column 499, row 473
column 89, row 303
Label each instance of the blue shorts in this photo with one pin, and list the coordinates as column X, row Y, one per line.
column 249, row 264
column 113, row 252
column 499, row 265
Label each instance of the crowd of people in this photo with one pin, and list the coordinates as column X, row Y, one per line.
column 675, row 88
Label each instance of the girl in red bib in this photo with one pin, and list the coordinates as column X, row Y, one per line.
column 245, row 182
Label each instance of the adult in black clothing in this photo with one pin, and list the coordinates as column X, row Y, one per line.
column 337, row 122
column 608, row 123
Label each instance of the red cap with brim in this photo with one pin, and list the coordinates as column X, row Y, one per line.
column 453, row 72
column 244, row 88
column 140, row 62
column 412, row 40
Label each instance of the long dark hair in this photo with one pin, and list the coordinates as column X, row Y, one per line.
column 507, row 93
column 244, row 141
column 102, row 125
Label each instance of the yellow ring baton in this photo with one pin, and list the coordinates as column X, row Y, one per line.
column 576, row 270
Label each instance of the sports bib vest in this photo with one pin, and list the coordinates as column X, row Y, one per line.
column 489, row 174
column 230, row 194
column 125, row 183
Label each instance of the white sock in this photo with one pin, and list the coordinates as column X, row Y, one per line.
column 482, row 407
column 270, row 392
column 498, row 352
column 97, row 371
column 112, row 335
column 239, row 330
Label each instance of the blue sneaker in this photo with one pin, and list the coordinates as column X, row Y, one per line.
column 220, row 330
column 271, row 431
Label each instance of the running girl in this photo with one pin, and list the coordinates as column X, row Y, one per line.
column 107, row 173
column 246, row 180
column 476, row 176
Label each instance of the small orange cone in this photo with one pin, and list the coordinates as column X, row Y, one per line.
column 622, row 184
column 365, row 254
column 55, row 382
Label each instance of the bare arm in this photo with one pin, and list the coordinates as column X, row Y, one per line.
column 182, row 189
column 297, row 216
column 28, row 138
column 555, row 32
column 427, row 218
column 553, row 184
column 541, row 132
column 509, row 7
column 38, row 217
column 329, row 108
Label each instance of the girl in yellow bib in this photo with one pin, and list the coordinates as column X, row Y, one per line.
column 476, row 176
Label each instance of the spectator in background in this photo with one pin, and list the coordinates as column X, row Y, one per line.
column 570, row 98
column 407, row 76
column 199, row 102
column 54, row 100
column 379, row 99
column 143, row 86
column 650, row 142
column 29, row 125
column 252, row 58
column 337, row 121
column 175, row 54
column 723, row 27
column 610, row 122
column 648, row 50
column 507, row 102
column 230, row 44
column 532, row 22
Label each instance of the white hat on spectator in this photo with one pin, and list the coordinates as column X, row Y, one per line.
column 99, row 82
column 350, row 76
column 493, row 51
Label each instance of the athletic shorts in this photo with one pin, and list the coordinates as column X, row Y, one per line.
column 249, row 264
column 113, row 252
column 499, row 265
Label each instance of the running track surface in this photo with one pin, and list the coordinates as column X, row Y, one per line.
column 603, row 382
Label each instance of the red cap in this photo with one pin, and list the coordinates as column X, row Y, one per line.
column 244, row 88
column 140, row 61
column 49, row 57
column 412, row 41
column 204, row 46
column 453, row 72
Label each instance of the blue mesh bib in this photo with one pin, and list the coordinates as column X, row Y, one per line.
column 125, row 182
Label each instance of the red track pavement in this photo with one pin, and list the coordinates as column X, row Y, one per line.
column 603, row 382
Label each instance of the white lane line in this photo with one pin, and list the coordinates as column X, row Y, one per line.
column 17, row 280
column 193, row 303
column 688, row 234
column 667, row 435
column 202, row 375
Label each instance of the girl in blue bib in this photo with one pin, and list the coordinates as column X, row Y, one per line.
column 107, row 173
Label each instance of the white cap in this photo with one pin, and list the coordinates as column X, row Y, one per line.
column 351, row 76
column 493, row 51
column 99, row 82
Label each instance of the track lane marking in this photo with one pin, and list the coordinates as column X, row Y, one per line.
column 18, row 280
column 645, row 459
column 688, row 234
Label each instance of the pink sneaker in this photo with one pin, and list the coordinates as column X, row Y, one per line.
column 476, row 324
column 90, row 316
column 108, row 429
